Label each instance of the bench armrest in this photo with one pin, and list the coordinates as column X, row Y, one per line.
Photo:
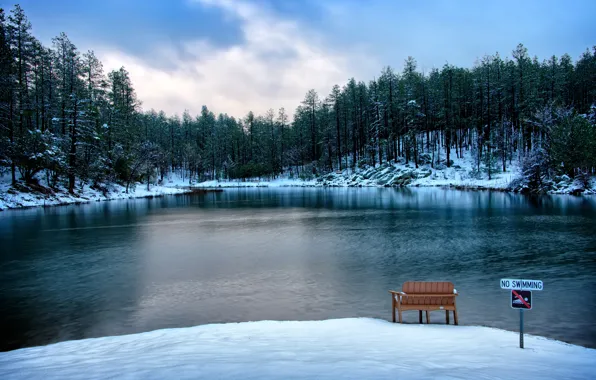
column 396, row 292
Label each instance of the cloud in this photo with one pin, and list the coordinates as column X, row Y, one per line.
column 274, row 65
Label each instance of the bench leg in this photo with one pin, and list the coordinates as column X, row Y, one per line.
column 427, row 317
column 447, row 316
column 419, row 316
column 455, row 317
column 393, row 310
column 399, row 312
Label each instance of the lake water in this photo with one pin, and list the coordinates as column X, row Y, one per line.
column 123, row 267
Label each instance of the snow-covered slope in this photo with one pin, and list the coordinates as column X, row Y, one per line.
column 462, row 174
column 259, row 182
column 334, row 349
column 387, row 174
column 24, row 196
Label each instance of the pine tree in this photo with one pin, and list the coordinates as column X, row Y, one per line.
column 7, row 97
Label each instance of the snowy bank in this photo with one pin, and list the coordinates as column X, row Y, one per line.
column 385, row 175
column 462, row 174
column 359, row 348
column 279, row 182
column 28, row 196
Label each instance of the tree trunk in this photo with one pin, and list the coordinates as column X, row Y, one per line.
column 448, row 146
column 338, row 135
column 73, row 150
column 281, row 158
column 11, row 136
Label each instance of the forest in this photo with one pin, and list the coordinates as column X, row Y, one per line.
column 64, row 121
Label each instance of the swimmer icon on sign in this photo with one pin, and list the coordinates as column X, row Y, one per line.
column 521, row 299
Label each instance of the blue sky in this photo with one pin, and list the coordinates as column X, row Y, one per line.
column 241, row 55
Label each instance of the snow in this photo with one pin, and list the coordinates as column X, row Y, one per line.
column 461, row 174
column 280, row 182
column 355, row 348
column 9, row 198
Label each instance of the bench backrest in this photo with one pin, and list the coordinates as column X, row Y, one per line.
column 430, row 287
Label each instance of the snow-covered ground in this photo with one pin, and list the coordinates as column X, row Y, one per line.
column 26, row 197
column 461, row 174
column 358, row 348
column 278, row 182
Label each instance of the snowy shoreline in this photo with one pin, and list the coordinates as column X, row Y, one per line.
column 461, row 175
column 235, row 184
column 19, row 200
column 352, row 348
column 10, row 198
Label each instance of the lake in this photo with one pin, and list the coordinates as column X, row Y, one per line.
column 123, row 267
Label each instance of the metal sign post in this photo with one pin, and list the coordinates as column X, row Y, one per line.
column 521, row 298
column 521, row 328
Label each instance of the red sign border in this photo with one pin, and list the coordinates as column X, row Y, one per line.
column 528, row 306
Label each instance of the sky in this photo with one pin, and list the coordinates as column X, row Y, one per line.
column 237, row 56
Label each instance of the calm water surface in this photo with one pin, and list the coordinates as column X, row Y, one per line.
column 291, row 254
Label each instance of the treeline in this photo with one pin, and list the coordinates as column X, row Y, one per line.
column 63, row 119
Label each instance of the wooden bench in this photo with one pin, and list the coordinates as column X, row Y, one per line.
column 427, row 296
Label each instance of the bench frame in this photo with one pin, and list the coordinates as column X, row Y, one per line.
column 397, row 299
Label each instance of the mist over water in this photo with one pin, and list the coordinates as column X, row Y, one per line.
column 292, row 254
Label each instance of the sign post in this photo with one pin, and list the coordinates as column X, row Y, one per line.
column 521, row 328
column 521, row 298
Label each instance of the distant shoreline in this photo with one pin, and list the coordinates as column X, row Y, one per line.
column 266, row 184
column 62, row 199
column 27, row 200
